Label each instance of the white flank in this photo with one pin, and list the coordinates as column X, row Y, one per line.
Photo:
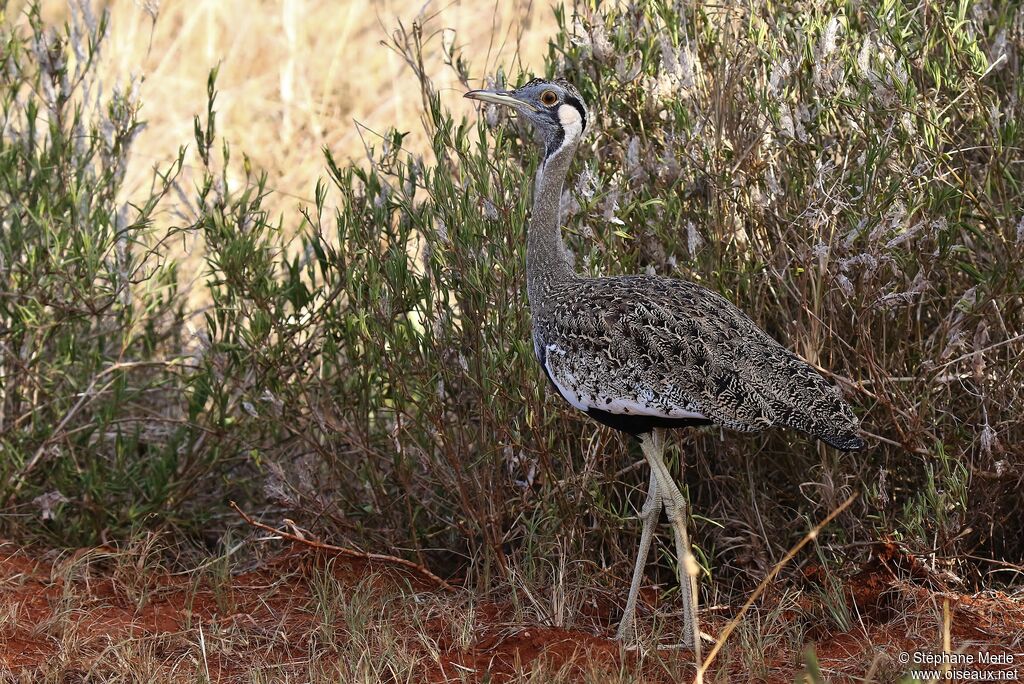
column 619, row 405
column 565, row 390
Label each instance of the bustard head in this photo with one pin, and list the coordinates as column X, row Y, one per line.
column 555, row 108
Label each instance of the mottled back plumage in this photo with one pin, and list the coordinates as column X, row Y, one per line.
column 669, row 349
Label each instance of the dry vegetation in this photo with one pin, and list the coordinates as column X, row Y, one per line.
column 337, row 340
column 295, row 75
column 108, row 615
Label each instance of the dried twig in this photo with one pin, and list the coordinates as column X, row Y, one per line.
column 813, row 534
column 341, row 550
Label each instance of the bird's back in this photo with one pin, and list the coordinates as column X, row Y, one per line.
column 641, row 351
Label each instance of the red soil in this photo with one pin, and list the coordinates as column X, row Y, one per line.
column 73, row 608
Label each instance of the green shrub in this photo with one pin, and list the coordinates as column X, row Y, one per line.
column 90, row 425
column 848, row 175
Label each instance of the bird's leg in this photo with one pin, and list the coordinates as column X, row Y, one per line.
column 653, row 446
column 649, row 515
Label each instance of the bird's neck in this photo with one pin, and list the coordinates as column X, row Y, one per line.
column 547, row 261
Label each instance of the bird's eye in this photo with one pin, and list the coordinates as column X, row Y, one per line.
column 548, row 97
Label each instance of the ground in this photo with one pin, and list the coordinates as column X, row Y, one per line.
column 313, row 615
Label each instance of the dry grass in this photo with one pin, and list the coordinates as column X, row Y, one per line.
column 295, row 75
column 305, row 616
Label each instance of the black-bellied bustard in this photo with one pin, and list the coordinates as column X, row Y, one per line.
column 644, row 353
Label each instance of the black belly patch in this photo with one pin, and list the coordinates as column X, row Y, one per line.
column 636, row 425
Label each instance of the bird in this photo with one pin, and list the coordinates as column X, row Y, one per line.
column 644, row 354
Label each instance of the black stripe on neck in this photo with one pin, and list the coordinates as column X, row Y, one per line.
column 555, row 143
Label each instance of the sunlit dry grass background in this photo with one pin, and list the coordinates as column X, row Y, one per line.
column 296, row 75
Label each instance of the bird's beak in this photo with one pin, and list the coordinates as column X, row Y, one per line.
column 501, row 97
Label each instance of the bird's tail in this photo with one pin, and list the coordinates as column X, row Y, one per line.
column 836, row 425
column 844, row 441
column 823, row 413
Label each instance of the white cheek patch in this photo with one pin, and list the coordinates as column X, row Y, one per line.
column 572, row 127
column 572, row 124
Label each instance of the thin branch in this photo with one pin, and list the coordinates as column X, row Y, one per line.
column 18, row 479
column 352, row 553
column 813, row 534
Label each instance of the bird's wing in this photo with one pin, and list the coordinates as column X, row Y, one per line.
column 671, row 348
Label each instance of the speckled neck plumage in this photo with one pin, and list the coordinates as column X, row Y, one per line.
column 547, row 262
